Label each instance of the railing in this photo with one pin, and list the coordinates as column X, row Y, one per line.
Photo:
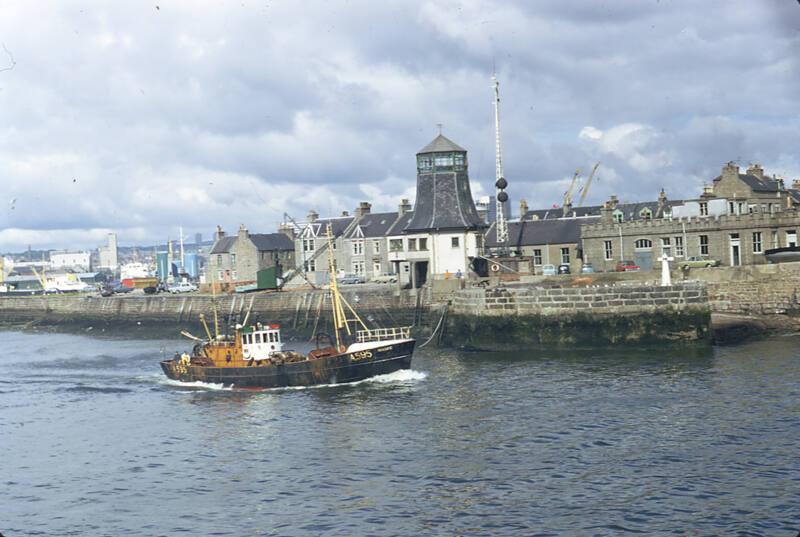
column 381, row 334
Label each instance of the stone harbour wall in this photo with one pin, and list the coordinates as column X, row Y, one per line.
column 516, row 316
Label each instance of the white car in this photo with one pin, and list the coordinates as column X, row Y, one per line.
column 183, row 287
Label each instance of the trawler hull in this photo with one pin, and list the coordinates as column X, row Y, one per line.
column 378, row 359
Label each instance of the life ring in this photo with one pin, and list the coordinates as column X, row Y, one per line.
column 495, row 267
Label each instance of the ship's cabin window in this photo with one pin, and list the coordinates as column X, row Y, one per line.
column 258, row 338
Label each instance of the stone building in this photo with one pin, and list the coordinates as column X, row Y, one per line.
column 367, row 243
column 236, row 259
column 311, row 245
column 734, row 221
column 444, row 231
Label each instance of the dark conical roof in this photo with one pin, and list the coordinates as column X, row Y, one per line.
column 441, row 144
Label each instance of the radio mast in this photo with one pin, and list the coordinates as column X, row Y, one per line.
column 501, row 226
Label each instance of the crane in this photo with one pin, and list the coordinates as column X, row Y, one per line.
column 568, row 194
column 501, row 226
column 585, row 189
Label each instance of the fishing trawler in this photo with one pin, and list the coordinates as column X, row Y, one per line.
column 254, row 357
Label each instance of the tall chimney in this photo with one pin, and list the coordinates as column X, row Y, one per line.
column 730, row 170
column 219, row 233
column 312, row 216
column 243, row 234
column 523, row 209
column 363, row 208
column 287, row 229
column 756, row 170
column 404, row 207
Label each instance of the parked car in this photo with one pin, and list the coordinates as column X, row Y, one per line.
column 587, row 268
column 698, row 262
column 549, row 270
column 121, row 289
column 386, row 277
column 563, row 269
column 183, row 287
column 627, row 266
column 151, row 290
column 349, row 279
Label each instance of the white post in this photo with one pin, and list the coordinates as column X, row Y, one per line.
column 666, row 279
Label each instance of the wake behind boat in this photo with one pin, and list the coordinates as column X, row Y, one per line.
column 253, row 357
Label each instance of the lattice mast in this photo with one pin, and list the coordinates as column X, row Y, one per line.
column 500, row 182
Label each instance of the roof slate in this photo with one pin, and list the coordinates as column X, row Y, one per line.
column 223, row 245
column 374, row 224
column 441, row 144
column 541, row 232
column 272, row 242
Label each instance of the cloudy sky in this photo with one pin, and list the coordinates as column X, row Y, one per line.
column 138, row 117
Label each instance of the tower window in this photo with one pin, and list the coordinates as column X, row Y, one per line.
column 454, row 242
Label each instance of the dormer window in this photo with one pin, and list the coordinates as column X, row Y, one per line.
column 618, row 216
column 646, row 214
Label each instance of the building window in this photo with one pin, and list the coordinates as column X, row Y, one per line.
column 443, row 160
column 334, row 244
column 308, row 245
column 774, row 239
column 376, row 247
column 757, row 242
column 358, row 267
column 565, row 256
column 608, row 248
column 618, row 216
column 412, row 245
column 233, row 260
column 537, row 257
column 478, row 241
column 358, row 247
column 454, row 242
column 679, row 246
column 703, row 244
column 646, row 214
column 666, row 247
column 643, row 244
column 425, row 163
column 791, row 238
column 310, row 265
column 423, row 244
column 220, row 275
column 395, row 245
column 219, row 260
column 233, row 275
column 731, row 207
column 703, row 208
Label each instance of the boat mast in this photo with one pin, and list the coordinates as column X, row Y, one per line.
column 339, row 320
column 501, row 225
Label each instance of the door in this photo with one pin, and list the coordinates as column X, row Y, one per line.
column 736, row 259
column 644, row 260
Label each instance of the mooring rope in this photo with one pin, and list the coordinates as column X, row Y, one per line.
column 435, row 330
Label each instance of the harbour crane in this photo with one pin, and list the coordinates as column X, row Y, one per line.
column 567, row 205
column 585, row 189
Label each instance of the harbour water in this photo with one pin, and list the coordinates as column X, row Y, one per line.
column 591, row 441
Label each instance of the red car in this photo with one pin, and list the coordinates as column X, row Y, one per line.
column 627, row 266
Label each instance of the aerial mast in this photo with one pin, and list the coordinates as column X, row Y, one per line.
column 501, row 226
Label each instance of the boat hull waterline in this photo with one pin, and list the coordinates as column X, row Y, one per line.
column 382, row 359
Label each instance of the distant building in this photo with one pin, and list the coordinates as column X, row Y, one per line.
column 238, row 258
column 108, row 254
column 77, row 261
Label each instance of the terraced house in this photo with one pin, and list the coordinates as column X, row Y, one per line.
column 236, row 259
column 734, row 221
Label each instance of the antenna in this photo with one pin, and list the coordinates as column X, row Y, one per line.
column 501, row 225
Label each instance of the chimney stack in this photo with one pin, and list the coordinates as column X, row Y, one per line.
column 730, row 170
column 312, row 216
column 404, row 207
column 523, row 209
column 363, row 208
column 243, row 234
column 756, row 170
column 287, row 229
column 219, row 233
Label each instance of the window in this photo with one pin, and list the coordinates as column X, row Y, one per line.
column 412, row 245
column 460, row 161
column 757, row 242
column 479, row 241
column 358, row 247
column 443, row 160
column 395, row 245
column 565, row 256
column 310, row 265
column 376, row 247
column 679, row 246
column 774, row 239
column 703, row 244
column 608, row 248
column 425, row 163
column 454, row 242
column 731, row 207
column 258, row 338
column 703, row 208
column 220, row 275
column 666, row 247
column 219, row 260
column 646, row 214
column 358, row 267
column 334, row 244
column 537, row 257
column 423, row 244
column 618, row 216
column 791, row 238
column 643, row 244
column 233, row 275
column 308, row 245
column 233, row 260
